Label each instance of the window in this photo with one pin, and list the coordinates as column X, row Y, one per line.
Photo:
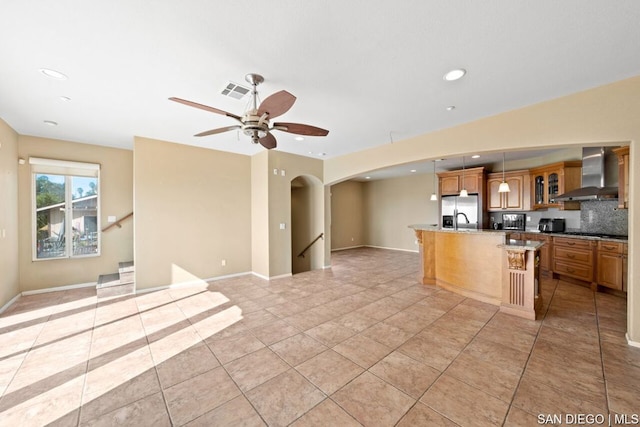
column 66, row 209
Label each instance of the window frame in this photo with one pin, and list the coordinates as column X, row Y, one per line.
column 69, row 170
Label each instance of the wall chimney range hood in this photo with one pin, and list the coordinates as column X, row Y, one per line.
column 599, row 176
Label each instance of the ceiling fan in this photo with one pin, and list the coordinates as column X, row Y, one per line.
column 255, row 122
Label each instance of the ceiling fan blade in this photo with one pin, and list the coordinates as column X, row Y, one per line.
column 204, row 107
column 277, row 104
column 300, row 129
column 268, row 141
column 219, row 130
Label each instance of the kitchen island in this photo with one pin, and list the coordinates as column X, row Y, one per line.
column 481, row 264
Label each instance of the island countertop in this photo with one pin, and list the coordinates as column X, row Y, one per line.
column 527, row 245
column 435, row 227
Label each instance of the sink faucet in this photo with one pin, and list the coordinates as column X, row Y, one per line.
column 455, row 218
column 464, row 215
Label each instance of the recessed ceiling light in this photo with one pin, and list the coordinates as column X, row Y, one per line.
column 53, row 74
column 322, row 154
column 475, row 156
column 412, row 171
column 439, row 160
column 65, row 99
column 367, row 177
column 50, row 123
column 299, row 138
column 451, row 107
column 456, row 74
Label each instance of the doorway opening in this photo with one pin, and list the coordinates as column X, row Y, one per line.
column 307, row 244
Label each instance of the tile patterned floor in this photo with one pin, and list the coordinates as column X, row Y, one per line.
column 360, row 344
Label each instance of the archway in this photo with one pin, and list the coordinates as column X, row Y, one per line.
column 306, row 224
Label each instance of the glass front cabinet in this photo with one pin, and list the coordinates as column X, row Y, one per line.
column 549, row 181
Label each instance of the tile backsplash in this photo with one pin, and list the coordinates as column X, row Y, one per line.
column 603, row 217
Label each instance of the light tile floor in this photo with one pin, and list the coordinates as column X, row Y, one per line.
column 361, row 343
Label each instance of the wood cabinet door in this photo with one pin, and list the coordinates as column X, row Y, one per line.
column 513, row 200
column 610, row 270
column 450, row 185
column 471, row 183
column 545, row 257
column 495, row 199
column 538, row 190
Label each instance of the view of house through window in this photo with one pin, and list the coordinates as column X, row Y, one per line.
column 66, row 210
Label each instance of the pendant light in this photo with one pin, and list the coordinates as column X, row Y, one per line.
column 463, row 192
column 434, row 196
column 504, row 185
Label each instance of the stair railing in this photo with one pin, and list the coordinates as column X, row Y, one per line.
column 301, row 254
column 118, row 222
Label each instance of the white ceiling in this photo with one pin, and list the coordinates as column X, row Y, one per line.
column 369, row 71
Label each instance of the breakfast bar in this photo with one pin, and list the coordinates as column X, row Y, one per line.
column 483, row 265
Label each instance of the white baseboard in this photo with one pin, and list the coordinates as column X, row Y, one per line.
column 393, row 249
column 10, row 303
column 263, row 277
column 60, row 288
column 631, row 342
column 190, row 283
column 280, row 276
column 347, row 248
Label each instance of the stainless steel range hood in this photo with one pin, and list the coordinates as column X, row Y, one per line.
column 599, row 176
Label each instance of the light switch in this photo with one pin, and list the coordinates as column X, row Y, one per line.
column 282, row 226
column 111, row 218
column 283, row 173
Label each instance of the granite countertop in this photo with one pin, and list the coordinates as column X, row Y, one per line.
column 527, row 245
column 571, row 234
column 435, row 227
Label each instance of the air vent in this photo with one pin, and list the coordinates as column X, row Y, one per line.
column 235, row 91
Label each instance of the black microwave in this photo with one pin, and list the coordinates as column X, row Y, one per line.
column 513, row 221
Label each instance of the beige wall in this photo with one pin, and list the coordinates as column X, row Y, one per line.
column 116, row 198
column 279, row 207
column 347, row 215
column 193, row 210
column 390, row 205
column 606, row 114
column 9, row 270
column 260, row 213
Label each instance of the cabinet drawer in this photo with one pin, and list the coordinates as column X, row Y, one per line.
column 572, row 255
column 572, row 243
column 578, row 271
column 610, row 247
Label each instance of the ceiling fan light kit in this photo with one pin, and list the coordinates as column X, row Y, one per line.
column 255, row 122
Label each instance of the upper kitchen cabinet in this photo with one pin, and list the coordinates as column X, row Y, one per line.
column 623, row 176
column 519, row 196
column 547, row 182
column 451, row 182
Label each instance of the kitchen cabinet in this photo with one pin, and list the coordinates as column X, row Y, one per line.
column 517, row 199
column 451, row 182
column 610, row 265
column 574, row 257
column 549, row 181
column 545, row 251
column 623, row 176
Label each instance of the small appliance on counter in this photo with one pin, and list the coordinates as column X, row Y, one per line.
column 513, row 221
column 551, row 225
column 447, row 221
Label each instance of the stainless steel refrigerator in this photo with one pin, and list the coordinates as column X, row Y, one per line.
column 463, row 210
